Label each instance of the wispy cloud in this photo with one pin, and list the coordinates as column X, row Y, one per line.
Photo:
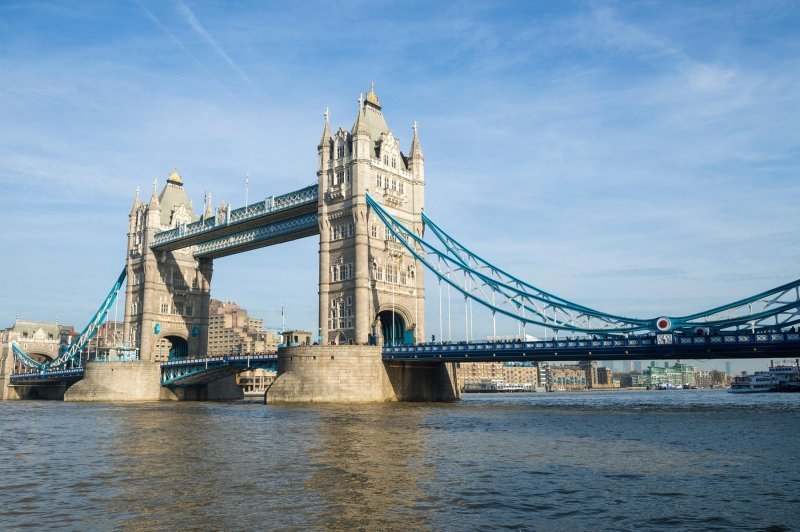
column 175, row 39
column 195, row 24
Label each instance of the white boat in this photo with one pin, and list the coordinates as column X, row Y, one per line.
column 760, row 381
column 780, row 378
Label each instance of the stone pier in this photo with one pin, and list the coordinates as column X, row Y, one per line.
column 141, row 381
column 357, row 374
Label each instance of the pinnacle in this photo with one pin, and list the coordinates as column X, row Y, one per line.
column 326, row 131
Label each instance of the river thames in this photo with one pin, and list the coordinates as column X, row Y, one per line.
column 562, row 461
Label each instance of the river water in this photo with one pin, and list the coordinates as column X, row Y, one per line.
column 561, row 461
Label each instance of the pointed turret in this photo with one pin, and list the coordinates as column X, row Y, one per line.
column 360, row 126
column 154, row 203
column 209, row 212
column 372, row 97
column 416, row 150
column 416, row 160
column 326, row 131
column 136, row 202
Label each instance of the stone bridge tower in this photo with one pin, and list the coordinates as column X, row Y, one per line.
column 168, row 293
column 371, row 289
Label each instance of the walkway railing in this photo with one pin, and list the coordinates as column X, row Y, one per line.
column 268, row 206
column 198, row 370
column 642, row 347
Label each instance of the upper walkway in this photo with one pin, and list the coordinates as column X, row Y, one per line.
column 271, row 221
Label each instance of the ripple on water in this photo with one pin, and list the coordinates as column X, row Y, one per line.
column 688, row 460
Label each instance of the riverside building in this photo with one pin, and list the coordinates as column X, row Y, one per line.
column 498, row 376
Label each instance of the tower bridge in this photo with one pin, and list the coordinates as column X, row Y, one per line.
column 375, row 247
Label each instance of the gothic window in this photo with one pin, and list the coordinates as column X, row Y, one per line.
column 178, row 309
column 189, row 310
column 400, row 187
column 164, row 308
column 337, row 314
column 137, row 306
column 339, row 177
column 379, row 183
column 391, row 273
column 402, row 277
column 348, row 176
column 386, row 159
column 340, row 151
column 394, row 184
column 177, row 279
column 374, row 231
column 394, row 162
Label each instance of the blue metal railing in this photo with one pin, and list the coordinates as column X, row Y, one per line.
column 268, row 206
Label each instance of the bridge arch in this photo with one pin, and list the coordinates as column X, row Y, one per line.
column 172, row 345
column 394, row 325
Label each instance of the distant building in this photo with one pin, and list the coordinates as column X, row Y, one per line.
column 564, row 377
column 583, row 376
column 41, row 340
column 678, row 375
column 232, row 331
column 479, row 375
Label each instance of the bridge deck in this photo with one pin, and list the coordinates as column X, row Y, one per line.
column 270, row 212
column 201, row 370
column 46, row 377
column 660, row 347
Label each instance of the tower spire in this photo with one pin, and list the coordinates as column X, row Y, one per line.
column 154, row 203
column 372, row 97
column 326, row 131
column 136, row 202
column 416, row 150
column 360, row 127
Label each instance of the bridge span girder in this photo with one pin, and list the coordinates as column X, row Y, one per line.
column 655, row 347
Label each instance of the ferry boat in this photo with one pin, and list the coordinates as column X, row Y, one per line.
column 780, row 378
column 760, row 381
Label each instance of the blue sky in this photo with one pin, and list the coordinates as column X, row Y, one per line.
column 638, row 157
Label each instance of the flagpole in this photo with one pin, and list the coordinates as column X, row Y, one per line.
column 246, row 189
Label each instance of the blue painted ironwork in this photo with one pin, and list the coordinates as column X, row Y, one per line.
column 504, row 294
column 662, row 346
column 226, row 245
column 248, row 213
column 200, row 370
column 71, row 354
column 44, row 376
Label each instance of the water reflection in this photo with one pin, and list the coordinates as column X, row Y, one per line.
column 548, row 461
column 371, row 460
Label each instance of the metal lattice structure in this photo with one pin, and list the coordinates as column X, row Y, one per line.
column 272, row 205
column 70, row 355
column 480, row 281
column 304, row 225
